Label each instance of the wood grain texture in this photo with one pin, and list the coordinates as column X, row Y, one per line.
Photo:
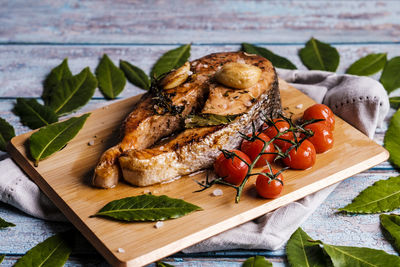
column 198, row 21
column 23, row 68
column 63, row 177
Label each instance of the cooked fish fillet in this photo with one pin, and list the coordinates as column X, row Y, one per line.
column 143, row 127
column 195, row 149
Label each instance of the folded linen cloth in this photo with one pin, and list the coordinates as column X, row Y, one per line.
column 361, row 101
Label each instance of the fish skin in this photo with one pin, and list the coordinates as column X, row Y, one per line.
column 194, row 149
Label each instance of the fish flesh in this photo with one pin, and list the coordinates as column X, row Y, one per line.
column 190, row 150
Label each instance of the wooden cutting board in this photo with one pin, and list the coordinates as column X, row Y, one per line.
column 65, row 178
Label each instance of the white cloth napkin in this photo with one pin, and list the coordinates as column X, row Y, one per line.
column 361, row 101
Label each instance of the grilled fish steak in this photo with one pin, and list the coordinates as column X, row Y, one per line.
column 194, row 149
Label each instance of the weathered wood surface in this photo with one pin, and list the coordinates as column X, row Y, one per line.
column 23, row 67
column 124, row 21
column 36, row 35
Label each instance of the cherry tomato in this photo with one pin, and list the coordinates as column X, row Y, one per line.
column 232, row 170
column 267, row 188
column 301, row 158
column 320, row 111
column 322, row 138
column 252, row 149
column 282, row 126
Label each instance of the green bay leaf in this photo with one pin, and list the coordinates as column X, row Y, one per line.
column 54, row 251
column 392, row 141
column 390, row 77
column 317, row 55
column 5, row 224
column 73, row 93
column 277, row 61
column 172, row 59
column 146, row 208
column 382, row 196
column 368, row 65
column 208, row 119
column 60, row 72
column 257, row 261
column 54, row 137
column 302, row 252
column 2, row 258
column 342, row 256
column 395, row 102
column 6, row 133
column 391, row 223
column 33, row 114
column 110, row 78
column 135, row 75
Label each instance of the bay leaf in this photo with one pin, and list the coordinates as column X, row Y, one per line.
column 391, row 223
column 60, row 72
column 5, row 224
column 163, row 264
column 6, row 133
column 33, row 114
column 276, row 60
column 73, row 93
column 172, row 59
column 390, row 78
column 395, row 102
column 54, row 137
column 382, row 196
column 257, row 261
column 208, row 119
column 392, row 141
column 368, row 65
column 135, row 75
column 146, row 208
column 302, row 252
column 2, row 258
column 110, row 78
column 342, row 256
column 317, row 55
column 54, row 251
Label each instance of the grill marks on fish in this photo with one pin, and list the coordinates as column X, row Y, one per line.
column 195, row 149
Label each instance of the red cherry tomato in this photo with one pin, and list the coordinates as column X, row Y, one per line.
column 232, row 170
column 301, row 158
column 252, row 149
column 320, row 111
column 282, row 126
column 322, row 138
column 267, row 188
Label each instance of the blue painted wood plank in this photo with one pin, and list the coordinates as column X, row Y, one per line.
column 198, row 21
column 23, row 68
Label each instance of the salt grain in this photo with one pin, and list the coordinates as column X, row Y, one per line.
column 299, row 106
column 91, row 143
column 158, row 225
column 189, row 72
column 217, row 192
column 121, row 250
column 205, row 66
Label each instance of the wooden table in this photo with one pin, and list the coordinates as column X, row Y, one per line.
column 36, row 35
